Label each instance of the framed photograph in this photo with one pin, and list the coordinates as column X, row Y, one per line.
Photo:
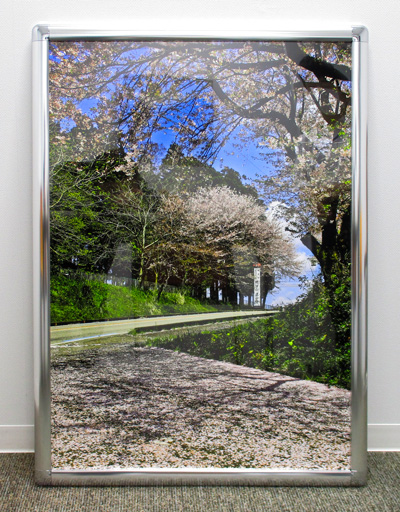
column 199, row 257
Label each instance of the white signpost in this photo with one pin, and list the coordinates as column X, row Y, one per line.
column 257, row 286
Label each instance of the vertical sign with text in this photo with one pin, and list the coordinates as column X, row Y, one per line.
column 257, row 286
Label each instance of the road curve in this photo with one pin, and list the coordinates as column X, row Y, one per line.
column 75, row 332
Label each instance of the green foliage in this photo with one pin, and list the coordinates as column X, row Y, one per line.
column 339, row 307
column 299, row 341
column 84, row 300
column 76, row 300
column 179, row 303
column 305, row 340
column 79, row 208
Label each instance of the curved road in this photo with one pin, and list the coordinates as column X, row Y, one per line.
column 74, row 332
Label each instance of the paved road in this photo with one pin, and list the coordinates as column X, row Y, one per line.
column 75, row 332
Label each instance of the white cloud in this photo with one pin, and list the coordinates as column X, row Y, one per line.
column 287, row 284
column 305, row 262
column 283, row 300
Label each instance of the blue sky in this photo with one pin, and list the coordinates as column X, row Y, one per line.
column 287, row 291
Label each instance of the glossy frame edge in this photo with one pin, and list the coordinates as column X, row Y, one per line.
column 44, row 474
column 359, row 259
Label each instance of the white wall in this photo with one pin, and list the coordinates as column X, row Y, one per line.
column 17, row 19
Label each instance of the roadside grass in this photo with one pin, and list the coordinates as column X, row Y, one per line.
column 139, row 338
column 299, row 341
column 83, row 300
column 270, row 345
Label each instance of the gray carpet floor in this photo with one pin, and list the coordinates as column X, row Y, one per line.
column 18, row 493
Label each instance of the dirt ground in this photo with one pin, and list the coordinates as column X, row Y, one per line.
column 126, row 406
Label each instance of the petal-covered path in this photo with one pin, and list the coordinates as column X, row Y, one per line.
column 125, row 407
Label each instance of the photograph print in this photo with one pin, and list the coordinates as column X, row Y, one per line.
column 200, row 253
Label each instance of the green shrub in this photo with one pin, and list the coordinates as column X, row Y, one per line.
column 300, row 341
column 79, row 299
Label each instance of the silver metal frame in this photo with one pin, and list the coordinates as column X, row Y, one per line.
column 45, row 475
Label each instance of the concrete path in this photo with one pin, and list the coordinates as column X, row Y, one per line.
column 75, row 332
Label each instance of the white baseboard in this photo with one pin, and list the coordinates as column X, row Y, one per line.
column 17, row 438
column 384, row 437
column 20, row 438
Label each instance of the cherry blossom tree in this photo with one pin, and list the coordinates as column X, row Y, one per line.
column 204, row 90
column 238, row 233
column 293, row 99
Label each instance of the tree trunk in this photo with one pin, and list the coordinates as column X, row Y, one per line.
column 232, row 295
column 214, row 291
column 333, row 254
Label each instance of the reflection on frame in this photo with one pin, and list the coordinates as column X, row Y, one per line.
column 200, row 254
